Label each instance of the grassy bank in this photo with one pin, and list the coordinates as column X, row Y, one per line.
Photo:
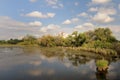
column 104, row 52
column 100, row 51
column 17, row 45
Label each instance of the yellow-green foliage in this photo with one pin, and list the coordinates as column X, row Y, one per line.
column 98, row 44
column 102, row 63
column 100, row 51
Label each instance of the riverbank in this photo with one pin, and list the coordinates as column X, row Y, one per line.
column 17, row 45
column 93, row 50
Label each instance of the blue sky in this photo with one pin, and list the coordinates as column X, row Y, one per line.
column 39, row 17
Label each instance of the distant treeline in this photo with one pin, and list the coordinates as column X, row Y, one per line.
column 100, row 38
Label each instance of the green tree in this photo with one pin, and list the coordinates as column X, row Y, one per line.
column 76, row 39
column 90, row 36
column 29, row 40
column 3, row 42
column 104, row 34
column 47, row 41
column 14, row 41
column 59, row 40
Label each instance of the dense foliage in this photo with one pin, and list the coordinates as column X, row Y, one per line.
column 96, row 41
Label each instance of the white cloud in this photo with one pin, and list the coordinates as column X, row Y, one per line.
column 50, row 15
column 53, row 26
column 32, row 1
column 16, row 29
column 35, row 23
column 8, row 22
column 43, row 29
column 103, row 14
column 84, row 27
column 104, row 10
column 38, row 14
column 83, row 14
column 108, row 11
column 78, row 27
column 10, row 28
column 73, row 20
column 102, row 18
column 88, row 25
column 114, row 28
column 100, row 1
column 54, row 3
column 50, row 27
column 56, row 30
column 67, row 22
column 93, row 9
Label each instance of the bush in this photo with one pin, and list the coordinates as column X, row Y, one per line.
column 102, row 65
column 98, row 44
column 116, row 47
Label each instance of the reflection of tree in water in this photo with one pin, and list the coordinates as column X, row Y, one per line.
column 102, row 66
column 53, row 52
column 101, row 75
column 30, row 50
column 60, row 53
column 77, row 59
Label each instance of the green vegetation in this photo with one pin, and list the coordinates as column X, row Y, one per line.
column 29, row 40
column 51, row 41
column 102, row 65
column 99, row 41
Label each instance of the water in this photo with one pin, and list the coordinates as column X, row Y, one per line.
column 26, row 63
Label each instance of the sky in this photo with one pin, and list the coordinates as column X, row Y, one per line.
column 41, row 17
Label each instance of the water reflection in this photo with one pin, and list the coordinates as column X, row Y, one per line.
column 77, row 59
column 35, row 72
column 35, row 63
column 26, row 63
column 102, row 69
column 101, row 75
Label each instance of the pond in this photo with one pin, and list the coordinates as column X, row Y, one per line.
column 26, row 63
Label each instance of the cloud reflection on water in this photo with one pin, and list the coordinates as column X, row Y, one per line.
column 35, row 63
column 53, row 65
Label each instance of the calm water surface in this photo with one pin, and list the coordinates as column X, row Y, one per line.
column 18, row 63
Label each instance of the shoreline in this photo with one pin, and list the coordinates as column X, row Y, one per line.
column 99, row 51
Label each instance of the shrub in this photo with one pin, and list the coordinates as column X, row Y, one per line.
column 116, row 47
column 102, row 64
